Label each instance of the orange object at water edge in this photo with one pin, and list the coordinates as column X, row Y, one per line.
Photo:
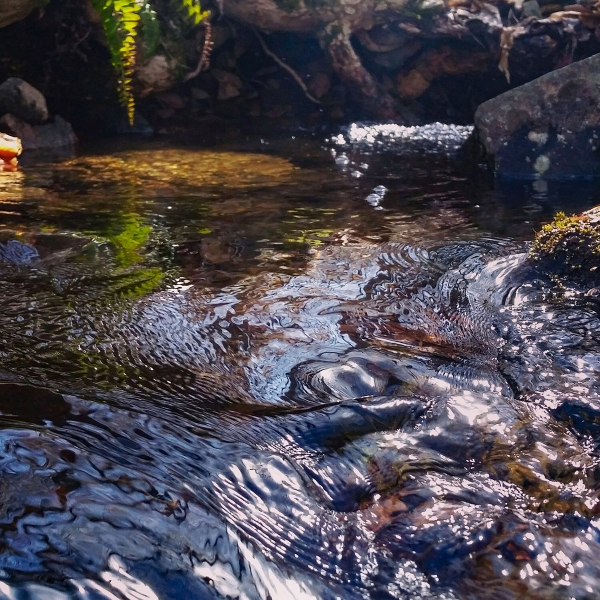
column 10, row 148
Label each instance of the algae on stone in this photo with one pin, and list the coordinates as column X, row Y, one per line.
column 570, row 246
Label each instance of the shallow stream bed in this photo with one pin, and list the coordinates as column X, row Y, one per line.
column 292, row 368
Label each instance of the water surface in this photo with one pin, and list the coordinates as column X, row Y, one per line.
column 291, row 368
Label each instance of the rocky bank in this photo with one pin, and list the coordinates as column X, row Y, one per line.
column 296, row 62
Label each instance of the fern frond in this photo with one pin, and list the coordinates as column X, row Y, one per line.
column 150, row 28
column 121, row 20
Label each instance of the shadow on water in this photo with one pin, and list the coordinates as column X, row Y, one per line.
column 293, row 368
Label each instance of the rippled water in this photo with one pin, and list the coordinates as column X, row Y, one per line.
column 291, row 368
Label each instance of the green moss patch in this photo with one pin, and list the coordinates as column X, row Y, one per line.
column 570, row 246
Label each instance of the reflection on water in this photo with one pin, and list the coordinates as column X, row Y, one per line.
column 231, row 374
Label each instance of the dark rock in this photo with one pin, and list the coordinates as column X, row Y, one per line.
column 531, row 8
column 437, row 62
column 395, row 59
column 230, row 84
column 171, row 100
column 319, row 84
column 547, row 128
column 382, row 38
column 117, row 123
column 200, row 94
column 55, row 134
column 164, row 114
column 19, row 98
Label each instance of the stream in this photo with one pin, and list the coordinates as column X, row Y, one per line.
column 292, row 367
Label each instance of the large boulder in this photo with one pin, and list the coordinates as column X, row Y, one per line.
column 12, row 11
column 19, row 98
column 547, row 128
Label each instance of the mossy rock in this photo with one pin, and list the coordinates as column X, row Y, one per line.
column 569, row 246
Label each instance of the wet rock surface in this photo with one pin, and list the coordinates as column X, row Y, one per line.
column 547, row 128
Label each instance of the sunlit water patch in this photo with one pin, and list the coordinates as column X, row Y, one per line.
column 431, row 138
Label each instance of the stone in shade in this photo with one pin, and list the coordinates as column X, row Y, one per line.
column 24, row 101
column 549, row 127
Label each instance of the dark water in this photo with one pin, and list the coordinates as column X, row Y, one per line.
column 292, row 368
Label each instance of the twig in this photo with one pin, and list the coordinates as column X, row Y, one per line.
column 478, row 40
column 507, row 39
column 204, row 61
column 283, row 65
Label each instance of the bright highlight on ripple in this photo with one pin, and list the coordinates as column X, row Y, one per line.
column 434, row 138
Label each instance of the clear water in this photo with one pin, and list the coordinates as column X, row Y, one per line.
column 291, row 368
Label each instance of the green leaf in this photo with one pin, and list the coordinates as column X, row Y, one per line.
column 150, row 30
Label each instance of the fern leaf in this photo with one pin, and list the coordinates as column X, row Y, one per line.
column 121, row 20
column 150, row 30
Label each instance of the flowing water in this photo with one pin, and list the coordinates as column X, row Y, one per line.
column 292, row 368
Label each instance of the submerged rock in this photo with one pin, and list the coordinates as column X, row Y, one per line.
column 570, row 246
column 17, row 253
column 547, row 128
